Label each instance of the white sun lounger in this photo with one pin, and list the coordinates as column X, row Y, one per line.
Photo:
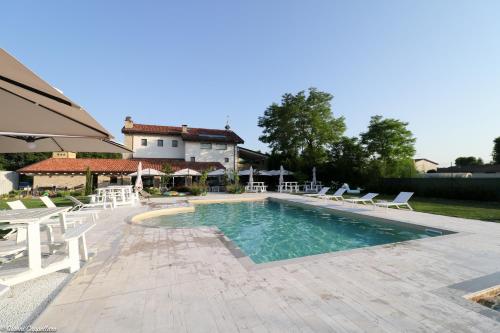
column 320, row 193
column 400, row 200
column 83, row 206
column 17, row 204
column 367, row 198
column 338, row 195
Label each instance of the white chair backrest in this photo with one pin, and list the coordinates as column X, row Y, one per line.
column 346, row 186
column 323, row 190
column 369, row 196
column 75, row 200
column 403, row 197
column 47, row 202
column 16, row 204
column 339, row 192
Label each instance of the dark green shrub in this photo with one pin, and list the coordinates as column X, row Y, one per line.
column 196, row 189
column 153, row 190
column 235, row 189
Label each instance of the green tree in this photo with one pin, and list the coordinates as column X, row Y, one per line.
column 168, row 171
column 88, row 181
column 15, row 161
column 496, row 151
column 468, row 161
column 115, row 156
column 302, row 128
column 348, row 161
column 391, row 147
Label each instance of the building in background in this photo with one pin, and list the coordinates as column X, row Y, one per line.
column 182, row 143
column 424, row 165
column 8, row 181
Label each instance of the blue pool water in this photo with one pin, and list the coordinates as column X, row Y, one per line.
column 268, row 230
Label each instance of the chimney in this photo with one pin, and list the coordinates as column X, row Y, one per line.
column 128, row 122
column 184, row 128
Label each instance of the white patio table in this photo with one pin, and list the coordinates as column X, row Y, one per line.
column 289, row 187
column 32, row 219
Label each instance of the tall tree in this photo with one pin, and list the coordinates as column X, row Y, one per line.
column 14, row 161
column 302, row 127
column 349, row 160
column 496, row 151
column 89, row 181
column 468, row 161
column 391, row 146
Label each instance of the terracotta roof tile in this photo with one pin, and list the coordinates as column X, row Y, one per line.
column 193, row 134
column 77, row 165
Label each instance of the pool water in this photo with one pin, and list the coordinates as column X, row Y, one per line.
column 267, row 230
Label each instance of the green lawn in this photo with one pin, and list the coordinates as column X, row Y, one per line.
column 468, row 209
column 37, row 203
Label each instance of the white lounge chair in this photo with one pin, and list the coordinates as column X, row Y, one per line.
column 400, row 200
column 367, row 198
column 17, row 204
column 338, row 195
column 83, row 206
column 71, row 218
column 320, row 193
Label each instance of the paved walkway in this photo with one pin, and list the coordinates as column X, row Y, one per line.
column 186, row 280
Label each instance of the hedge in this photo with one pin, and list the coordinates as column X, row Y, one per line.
column 485, row 189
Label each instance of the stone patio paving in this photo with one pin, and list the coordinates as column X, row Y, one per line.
column 186, row 280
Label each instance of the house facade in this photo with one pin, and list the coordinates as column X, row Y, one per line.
column 182, row 143
column 424, row 165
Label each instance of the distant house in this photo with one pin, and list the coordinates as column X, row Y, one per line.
column 424, row 165
column 184, row 143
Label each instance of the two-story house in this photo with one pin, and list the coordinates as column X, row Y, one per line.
column 182, row 143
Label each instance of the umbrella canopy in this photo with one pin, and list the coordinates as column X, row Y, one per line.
column 10, row 144
column 250, row 178
column 149, row 172
column 217, row 173
column 245, row 172
column 265, row 173
column 186, row 172
column 138, row 181
column 314, row 176
column 282, row 171
column 32, row 108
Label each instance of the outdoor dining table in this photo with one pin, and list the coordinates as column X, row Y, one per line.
column 289, row 187
column 32, row 218
column 257, row 187
column 312, row 187
column 114, row 193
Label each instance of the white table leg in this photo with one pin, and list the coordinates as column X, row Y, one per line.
column 34, row 246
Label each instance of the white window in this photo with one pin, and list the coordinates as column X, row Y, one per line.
column 193, row 159
column 144, row 142
column 175, row 143
column 221, row 146
column 160, row 143
column 205, row 145
column 226, row 160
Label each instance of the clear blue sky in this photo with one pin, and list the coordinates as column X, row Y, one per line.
column 435, row 64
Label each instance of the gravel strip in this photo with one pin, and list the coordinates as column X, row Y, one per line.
column 24, row 302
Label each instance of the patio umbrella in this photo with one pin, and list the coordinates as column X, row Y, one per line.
column 10, row 144
column 217, row 173
column 29, row 105
column 138, row 181
column 31, row 109
column 250, row 177
column 314, row 176
column 149, row 172
column 281, row 174
column 184, row 173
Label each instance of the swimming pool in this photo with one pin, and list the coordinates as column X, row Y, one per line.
column 269, row 230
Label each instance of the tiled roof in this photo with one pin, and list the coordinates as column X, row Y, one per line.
column 97, row 165
column 193, row 134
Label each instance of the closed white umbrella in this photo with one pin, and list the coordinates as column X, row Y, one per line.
column 314, row 176
column 138, row 181
column 250, row 177
column 282, row 171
